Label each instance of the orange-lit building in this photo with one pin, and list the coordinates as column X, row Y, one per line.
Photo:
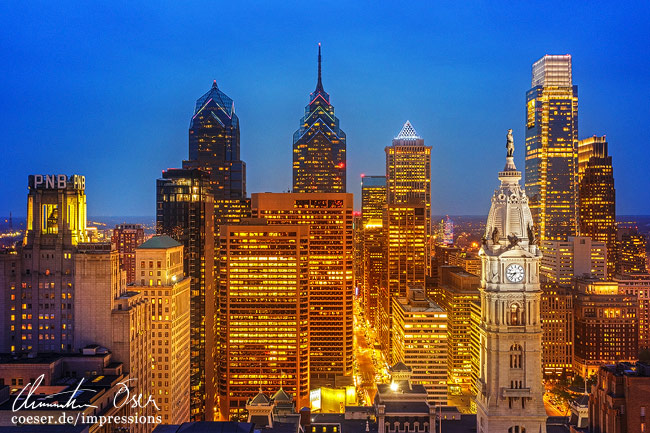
column 557, row 326
column 606, row 326
column 161, row 281
column 125, row 239
column 597, row 196
column 458, row 290
column 405, row 252
column 264, row 308
column 638, row 286
column 630, row 251
column 329, row 219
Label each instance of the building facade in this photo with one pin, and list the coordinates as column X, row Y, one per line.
column 458, row 290
column 597, row 196
column 420, row 341
column 558, row 337
column 185, row 212
column 329, row 219
column 319, row 159
column 405, row 257
column 125, row 239
column 408, row 172
column 373, row 198
column 614, row 403
column 630, row 251
column 563, row 261
column 551, row 145
column 510, row 385
column 638, row 286
column 264, row 304
column 161, row 281
column 606, row 326
column 214, row 149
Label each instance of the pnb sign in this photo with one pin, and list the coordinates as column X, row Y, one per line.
column 56, row 181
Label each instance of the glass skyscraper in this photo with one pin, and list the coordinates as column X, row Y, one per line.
column 319, row 163
column 551, row 147
column 214, row 148
column 597, row 196
column 184, row 211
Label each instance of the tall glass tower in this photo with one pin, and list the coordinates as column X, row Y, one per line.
column 319, row 163
column 551, row 147
column 214, row 148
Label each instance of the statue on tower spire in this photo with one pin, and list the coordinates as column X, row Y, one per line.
column 510, row 144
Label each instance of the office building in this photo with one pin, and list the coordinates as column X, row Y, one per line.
column 214, row 149
column 319, row 159
column 264, row 300
column 551, row 145
column 329, row 219
column 469, row 261
column 638, row 286
column 405, row 250
column 606, row 326
column 373, row 198
column 458, row 290
column 161, row 281
column 597, row 196
column 420, row 341
column 557, row 324
column 185, row 212
column 125, row 239
column 475, row 348
column 616, row 403
column 572, row 258
column 408, row 172
column 630, row 251
column 510, row 384
column 37, row 278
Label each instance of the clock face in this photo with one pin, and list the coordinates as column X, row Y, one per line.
column 515, row 273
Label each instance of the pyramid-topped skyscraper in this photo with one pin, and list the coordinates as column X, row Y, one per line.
column 319, row 161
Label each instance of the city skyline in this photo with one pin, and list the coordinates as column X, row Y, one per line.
column 414, row 77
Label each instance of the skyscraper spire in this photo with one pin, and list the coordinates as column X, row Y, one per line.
column 319, row 85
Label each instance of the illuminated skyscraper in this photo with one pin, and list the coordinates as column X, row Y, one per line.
column 125, row 239
column 264, row 300
column 405, row 250
column 319, row 161
column 638, row 286
column 551, row 146
column 185, row 212
column 373, row 198
column 630, row 251
column 408, row 171
column 606, row 326
column 160, row 279
column 329, row 218
column 510, row 386
column 458, row 290
column 37, row 280
column 557, row 323
column 597, row 196
column 214, row 148
column 420, row 331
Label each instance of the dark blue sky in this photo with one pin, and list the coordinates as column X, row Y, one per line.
column 107, row 89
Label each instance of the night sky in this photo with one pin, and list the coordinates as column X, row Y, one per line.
column 107, row 89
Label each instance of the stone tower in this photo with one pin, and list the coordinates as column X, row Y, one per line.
column 510, row 382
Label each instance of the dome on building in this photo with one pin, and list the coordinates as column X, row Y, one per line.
column 509, row 222
column 282, row 396
column 260, row 399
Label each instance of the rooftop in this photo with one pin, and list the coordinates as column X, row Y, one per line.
column 158, row 243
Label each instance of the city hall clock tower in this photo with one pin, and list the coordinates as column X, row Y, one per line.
column 510, row 386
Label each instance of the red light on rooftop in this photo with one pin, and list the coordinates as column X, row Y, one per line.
column 341, row 165
column 363, row 175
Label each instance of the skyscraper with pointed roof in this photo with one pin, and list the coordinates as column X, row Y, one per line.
column 214, row 148
column 319, row 162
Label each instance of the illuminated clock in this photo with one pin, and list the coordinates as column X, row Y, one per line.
column 515, row 273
